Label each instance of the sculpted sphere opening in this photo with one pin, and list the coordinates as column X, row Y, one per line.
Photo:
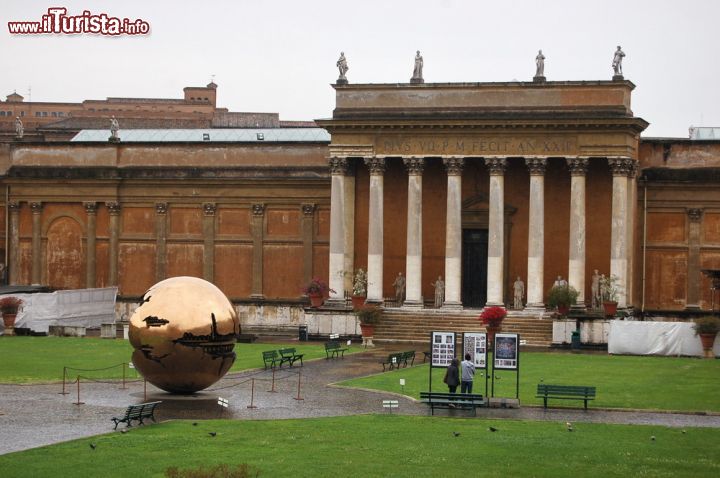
column 183, row 334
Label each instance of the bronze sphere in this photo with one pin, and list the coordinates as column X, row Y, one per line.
column 183, row 333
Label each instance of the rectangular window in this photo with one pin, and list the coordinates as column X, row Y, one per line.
column 37, row 113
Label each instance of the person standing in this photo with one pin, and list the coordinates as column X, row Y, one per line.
column 452, row 376
column 468, row 374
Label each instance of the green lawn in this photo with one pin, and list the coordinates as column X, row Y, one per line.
column 41, row 359
column 384, row 445
column 662, row 383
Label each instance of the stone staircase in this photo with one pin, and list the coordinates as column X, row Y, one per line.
column 414, row 326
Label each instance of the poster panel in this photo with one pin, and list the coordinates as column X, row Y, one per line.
column 475, row 344
column 506, row 351
column 443, row 348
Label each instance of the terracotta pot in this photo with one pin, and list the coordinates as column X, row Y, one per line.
column 610, row 308
column 563, row 309
column 368, row 330
column 358, row 301
column 707, row 340
column 491, row 331
column 9, row 319
column 316, row 300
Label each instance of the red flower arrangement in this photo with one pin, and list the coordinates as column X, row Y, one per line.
column 493, row 316
column 317, row 287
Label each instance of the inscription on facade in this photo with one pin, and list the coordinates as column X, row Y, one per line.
column 479, row 146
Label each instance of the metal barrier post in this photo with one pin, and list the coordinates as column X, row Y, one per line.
column 252, row 394
column 298, row 393
column 123, row 381
column 64, row 375
column 272, row 389
column 78, row 392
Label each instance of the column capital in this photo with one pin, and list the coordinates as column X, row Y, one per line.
column 14, row 206
column 36, row 207
column 454, row 166
column 620, row 166
column 308, row 209
column 113, row 207
column 634, row 169
column 258, row 209
column 376, row 164
column 414, row 165
column 90, row 207
column 536, row 166
column 578, row 166
column 338, row 165
column 496, row 166
column 209, row 208
column 161, row 208
column 694, row 214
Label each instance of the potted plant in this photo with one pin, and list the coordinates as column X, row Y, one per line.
column 492, row 317
column 562, row 298
column 609, row 294
column 359, row 289
column 707, row 328
column 317, row 290
column 9, row 307
column 368, row 316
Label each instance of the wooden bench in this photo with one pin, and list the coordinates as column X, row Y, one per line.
column 271, row 358
column 334, row 349
column 393, row 360
column 290, row 356
column 565, row 392
column 465, row 401
column 137, row 412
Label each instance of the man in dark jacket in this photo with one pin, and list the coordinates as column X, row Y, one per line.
column 452, row 375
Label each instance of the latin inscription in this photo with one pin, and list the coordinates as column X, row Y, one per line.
column 511, row 147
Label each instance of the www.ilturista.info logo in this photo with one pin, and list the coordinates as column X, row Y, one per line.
column 57, row 21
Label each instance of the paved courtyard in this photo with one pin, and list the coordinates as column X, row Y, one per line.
column 37, row 415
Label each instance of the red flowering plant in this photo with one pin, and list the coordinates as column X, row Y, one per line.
column 493, row 316
column 317, row 287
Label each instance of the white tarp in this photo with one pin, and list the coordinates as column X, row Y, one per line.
column 655, row 338
column 78, row 307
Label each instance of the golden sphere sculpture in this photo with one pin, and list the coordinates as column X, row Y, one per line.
column 183, row 334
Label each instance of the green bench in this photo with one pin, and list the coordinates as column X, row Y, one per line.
column 290, row 356
column 463, row 401
column 399, row 359
column 565, row 392
column 270, row 358
column 334, row 349
column 137, row 412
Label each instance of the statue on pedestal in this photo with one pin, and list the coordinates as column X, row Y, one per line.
column 19, row 128
column 114, row 128
column 518, row 294
column 439, row 286
column 343, row 67
column 617, row 62
column 540, row 65
column 399, row 285
column 560, row 282
column 417, row 71
column 595, row 290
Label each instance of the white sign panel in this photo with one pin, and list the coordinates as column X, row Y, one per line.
column 506, row 351
column 443, row 348
column 475, row 344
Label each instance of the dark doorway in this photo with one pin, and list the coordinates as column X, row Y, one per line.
column 474, row 267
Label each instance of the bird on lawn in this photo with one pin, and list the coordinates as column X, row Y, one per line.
column 457, row 434
column 93, row 446
column 212, row 434
column 492, row 429
column 652, row 438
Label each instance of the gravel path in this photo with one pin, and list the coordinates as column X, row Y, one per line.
column 37, row 415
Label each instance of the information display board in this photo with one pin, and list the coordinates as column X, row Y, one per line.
column 506, row 351
column 475, row 344
column 443, row 348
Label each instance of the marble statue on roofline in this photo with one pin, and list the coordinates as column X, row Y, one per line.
column 540, row 65
column 617, row 61
column 343, row 67
column 114, row 128
column 19, row 128
column 418, row 69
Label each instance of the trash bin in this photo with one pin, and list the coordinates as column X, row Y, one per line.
column 303, row 333
column 575, row 341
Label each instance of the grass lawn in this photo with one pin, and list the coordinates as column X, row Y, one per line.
column 41, row 359
column 662, row 383
column 383, row 445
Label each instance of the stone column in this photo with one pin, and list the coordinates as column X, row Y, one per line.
column 693, row 270
column 160, row 241
column 413, row 257
column 576, row 268
column 258, row 234
column 336, row 281
column 375, row 230
column 13, row 265
column 308, row 228
column 114, row 210
column 36, row 271
column 91, row 211
column 631, row 213
column 453, row 234
column 349, row 226
column 208, row 226
column 536, row 233
column 618, row 239
column 496, row 234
